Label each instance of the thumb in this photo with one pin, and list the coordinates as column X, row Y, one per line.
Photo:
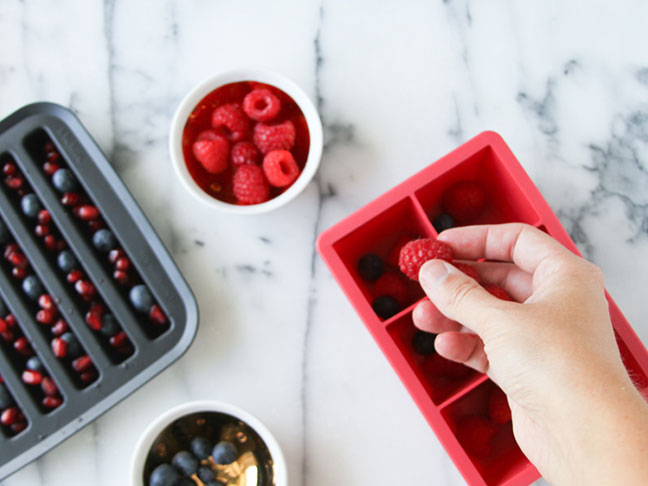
column 459, row 297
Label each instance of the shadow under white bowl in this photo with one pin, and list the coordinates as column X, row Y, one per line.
column 192, row 99
column 159, row 424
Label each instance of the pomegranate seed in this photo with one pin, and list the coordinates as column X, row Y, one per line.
column 156, row 314
column 18, row 427
column 93, row 317
column 14, row 182
column 88, row 212
column 126, row 350
column 53, row 156
column 49, row 387
column 59, row 347
column 9, row 169
column 49, row 147
column 74, row 276
column 44, row 216
column 88, row 376
column 50, row 242
column 45, row 301
column 49, row 168
column 7, row 336
column 18, row 272
column 121, row 277
column 118, row 339
column 18, row 260
column 42, row 230
column 61, row 245
column 10, row 415
column 70, row 199
column 3, row 328
column 1, row 380
column 22, row 346
column 84, row 288
column 82, row 364
column 115, row 255
column 10, row 249
column 95, row 225
column 31, row 377
column 52, row 402
column 60, row 327
column 45, row 316
column 10, row 319
column 123, row 264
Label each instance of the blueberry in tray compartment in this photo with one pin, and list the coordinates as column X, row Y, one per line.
column 95, row 306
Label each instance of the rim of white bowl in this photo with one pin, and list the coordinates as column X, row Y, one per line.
column 261, row 75
column 153, row 430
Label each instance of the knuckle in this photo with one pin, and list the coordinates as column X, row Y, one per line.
column 460, row 293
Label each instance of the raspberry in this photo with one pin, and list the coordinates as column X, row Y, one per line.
column 442, row 367
column 475, row 434
column 231, row 117
column 212, row 154
column 274, row 137
column 498, row 292
column 261, row 105
column 498, row 407
column 244, row 153
column 391, row 285
column 280, row 168
column 208, row 135
column 468, row 270
column 415, row 253
column 465, row 201
column 250, row 185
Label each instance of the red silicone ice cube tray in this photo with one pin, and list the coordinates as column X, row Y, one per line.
column 447, row 393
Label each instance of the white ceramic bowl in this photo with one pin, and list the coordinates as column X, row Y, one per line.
column 159, row 424
column 247, row 74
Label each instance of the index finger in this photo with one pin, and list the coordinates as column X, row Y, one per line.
column 519, row 243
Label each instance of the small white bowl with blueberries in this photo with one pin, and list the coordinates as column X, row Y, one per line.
column 208, row 443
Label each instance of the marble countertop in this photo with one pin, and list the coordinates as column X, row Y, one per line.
column 398, row 84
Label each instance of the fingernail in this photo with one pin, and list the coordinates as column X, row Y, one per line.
column 433, row 272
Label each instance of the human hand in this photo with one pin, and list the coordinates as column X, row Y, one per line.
column 576, row 414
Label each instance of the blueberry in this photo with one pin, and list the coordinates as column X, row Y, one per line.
column 4, row 233
column 224, row 453
column 205, row 474
column 141, row 298
column 66, row 261
column 201, row 447
column 5, row 398
column 423, row 343
column 164, row 475
column 73, row 346
column 32, row 287
column 385, row 306
column 185, row 462
column 185, row 482
column 104, row 240
column 109, row 326
column 443, row 222
column 34, row 363
column 370, row 267
column 30, row 205
column 64, row 180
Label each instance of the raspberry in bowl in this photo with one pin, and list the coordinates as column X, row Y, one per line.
column 246, row 141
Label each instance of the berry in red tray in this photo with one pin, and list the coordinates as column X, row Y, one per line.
column 385, row 306
column 423, row 343
column 498, row 407
column 274, row 137
column 498, row 292
column 280, row 168
column 212, row 154
column 415, row 253
column 232, row 118
column 465, row 201
column 370, row 267
column 244, row 153
column 475, row 434
column 443, row 222
column 261, row 105
column 250, row 185
column 391, row 285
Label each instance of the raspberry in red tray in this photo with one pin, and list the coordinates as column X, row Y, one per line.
column 250, row 185
column 465, row 201
column 415, row 253
column 391, row 285
column 475, row 434
column 280, row 168
column 232, row 118
column 244, row 153
column 280, row 136
column 261, row 105
column 212, row 153
column 498, row 407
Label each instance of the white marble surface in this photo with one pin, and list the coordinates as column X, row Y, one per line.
column 398, row 85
